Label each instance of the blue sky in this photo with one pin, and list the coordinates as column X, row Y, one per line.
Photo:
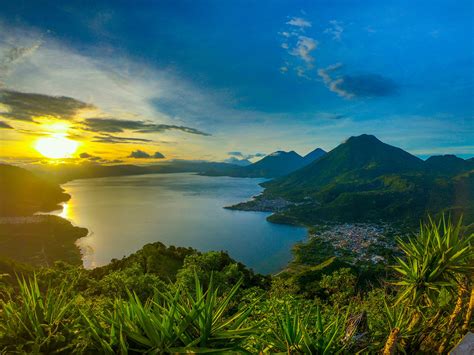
column 258, row 76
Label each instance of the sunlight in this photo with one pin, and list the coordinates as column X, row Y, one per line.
column 56, row 147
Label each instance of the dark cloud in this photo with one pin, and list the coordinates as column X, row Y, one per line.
column 354, row 86
column 368, row 85
column 5, row 125
column 90, row 157
column 108, row 138
column 113, row 125
column 331, row 116
column 25, row 106
column 246, row 156
column 139, row 154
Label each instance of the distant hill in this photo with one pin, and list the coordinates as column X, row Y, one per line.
column 62, row 173
column 448, row 164
column 366, row 179
column 277, row 164
column 24, row 193
column 313, row 155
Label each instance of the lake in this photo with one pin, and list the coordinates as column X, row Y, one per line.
column 124, row 213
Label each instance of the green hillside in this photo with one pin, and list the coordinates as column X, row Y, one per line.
column 24, row 193
column 366, row 179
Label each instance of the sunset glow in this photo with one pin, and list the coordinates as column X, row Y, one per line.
column 56, row 147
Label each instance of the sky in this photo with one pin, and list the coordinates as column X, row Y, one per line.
column 147, row 81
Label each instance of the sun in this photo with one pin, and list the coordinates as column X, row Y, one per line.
column 56, row 147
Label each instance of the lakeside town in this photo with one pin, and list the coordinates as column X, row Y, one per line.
column 364, row 241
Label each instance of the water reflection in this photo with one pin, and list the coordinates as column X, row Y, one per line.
column 65, row 212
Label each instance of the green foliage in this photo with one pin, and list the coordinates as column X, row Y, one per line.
column 225, row 271
column 340, row 286
column 173, row 321
column 296, row 331
column 38, row 322
column 434, row 261
column 218, row 305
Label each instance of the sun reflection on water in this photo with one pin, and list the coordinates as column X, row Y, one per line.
column 66, row 211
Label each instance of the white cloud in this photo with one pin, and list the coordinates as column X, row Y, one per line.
column 334, row 84
column 304, row 47
column 298, row 45
column 11, row 54
column 299, row 22
column 119, row 86
column 335, row 30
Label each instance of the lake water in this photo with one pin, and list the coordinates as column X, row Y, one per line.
column 124, row 213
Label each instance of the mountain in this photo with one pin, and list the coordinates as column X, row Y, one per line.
column 314, row 155
column 277, row 164
column 359, row 157
column 448, row 164
column 366, row 179
column 24, row 193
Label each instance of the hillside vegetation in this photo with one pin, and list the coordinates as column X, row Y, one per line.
column 174, row 300
column 365, row 179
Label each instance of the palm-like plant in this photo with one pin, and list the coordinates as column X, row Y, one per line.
column 36, row 321
column 433, row 262
column 398, row 319
column 173, row 321
column 296, row 332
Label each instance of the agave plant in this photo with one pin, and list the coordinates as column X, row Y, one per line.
column 173, row 321
column 38, row 322
column 296, row 332
column 398, row 320
column 435, row 262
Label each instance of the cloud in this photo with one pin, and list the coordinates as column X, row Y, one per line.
column 139, row 154
column 14, row 55
column 299, row 22
column 90, row 157
column 245, row 156
column 304, row 47
column 25, row 106
column 357, row 86
column 236, row 161
column 113, row 125
column 85, row 155
column 368, row 85
column 300, row 46
column 5, row 125
column 115, row 83
column 335, row 30
column 331, row 116
column 108, row 138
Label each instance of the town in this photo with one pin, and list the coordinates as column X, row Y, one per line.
column 363, row 241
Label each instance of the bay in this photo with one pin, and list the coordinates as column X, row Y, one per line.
column 124, row 213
